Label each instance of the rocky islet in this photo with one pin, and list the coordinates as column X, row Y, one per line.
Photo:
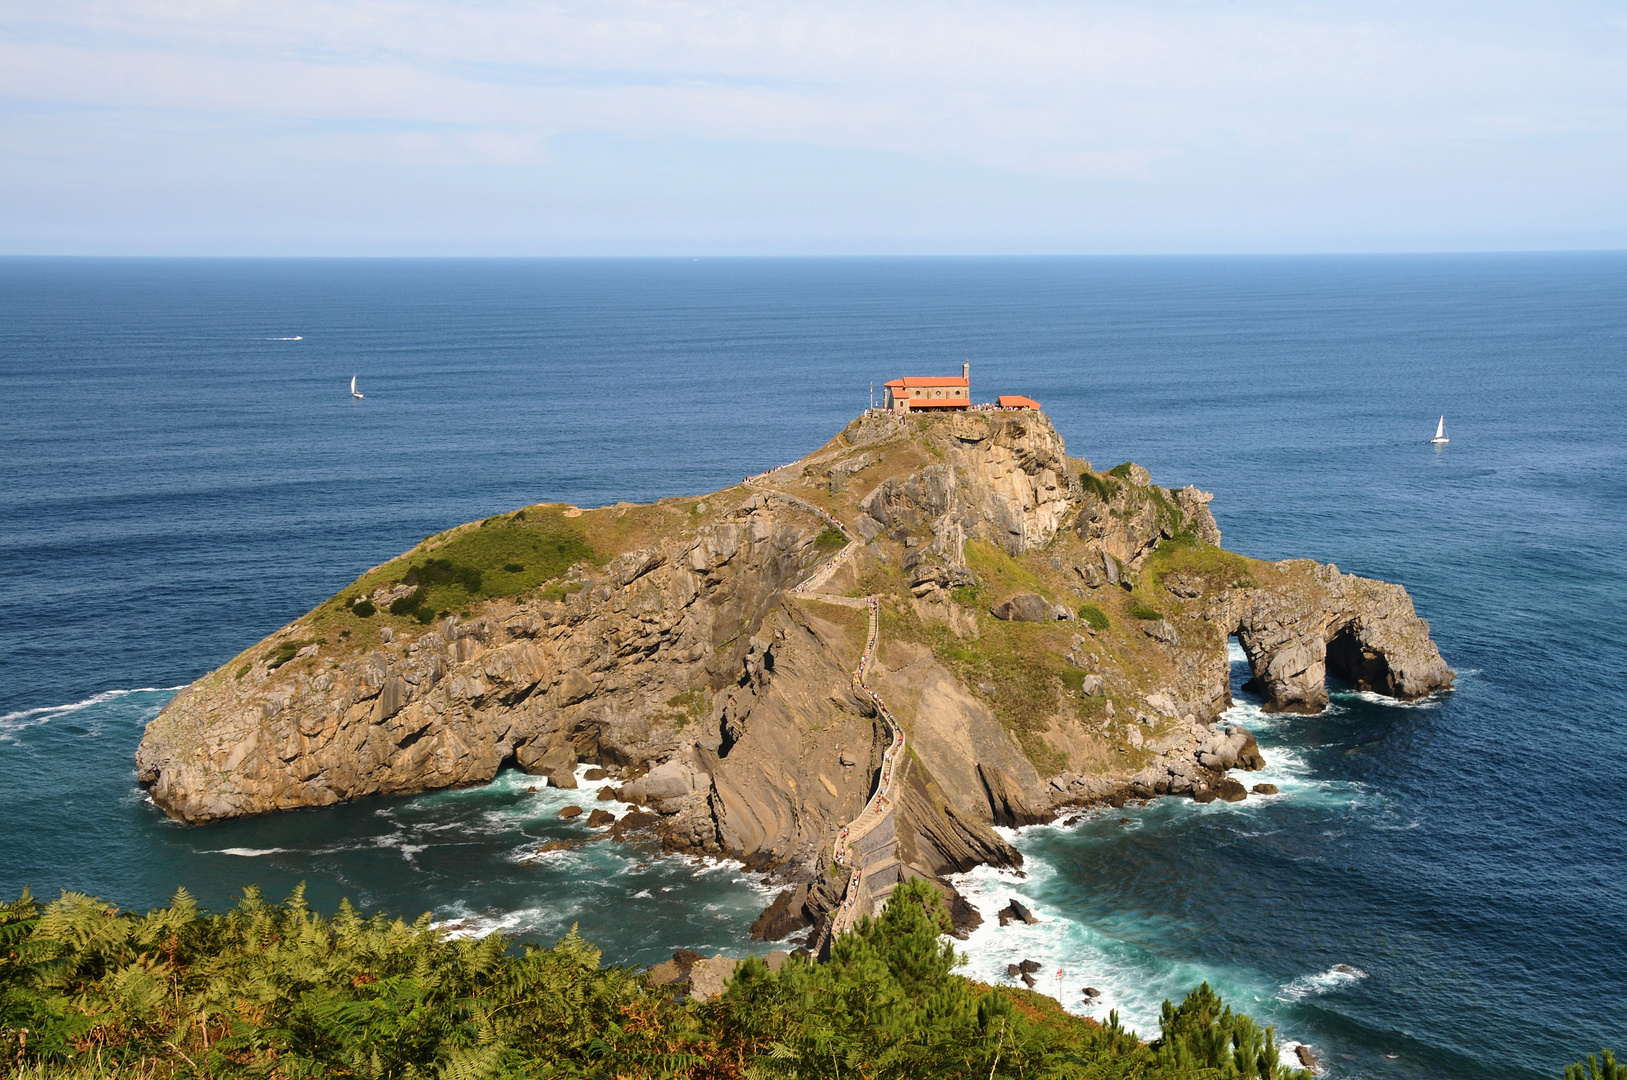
column 682, row 664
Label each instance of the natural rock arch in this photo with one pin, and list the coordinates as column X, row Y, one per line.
column 1362, row 631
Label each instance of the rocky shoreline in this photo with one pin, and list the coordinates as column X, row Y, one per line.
column 1053, row 638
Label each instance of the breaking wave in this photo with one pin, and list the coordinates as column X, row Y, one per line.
column 12, row 722
column 1334, row 978
column 245, row 852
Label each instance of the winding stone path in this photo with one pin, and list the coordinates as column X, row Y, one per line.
column 874, row 864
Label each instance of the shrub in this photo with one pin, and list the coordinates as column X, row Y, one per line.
column 830, row 540
column 244, row 670
column 363, row 608
column 444, row 572
column 408, row 604
column 284, row 653
column 1095, row 616
column 1121, row 471
column 513, row 567
column 560, row 590
column 1142, row 611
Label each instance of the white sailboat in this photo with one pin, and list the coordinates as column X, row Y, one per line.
column 1440, row 438
column 353, row 391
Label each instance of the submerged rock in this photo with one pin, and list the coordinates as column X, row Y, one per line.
column 1015, row 911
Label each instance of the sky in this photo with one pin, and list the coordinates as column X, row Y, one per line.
column 621, row 127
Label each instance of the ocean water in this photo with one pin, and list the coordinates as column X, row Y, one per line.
column 1436, row 892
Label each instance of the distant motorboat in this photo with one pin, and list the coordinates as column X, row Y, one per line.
column 1440, row 438
column 355, row 393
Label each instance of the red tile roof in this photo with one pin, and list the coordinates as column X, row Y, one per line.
column 930, row 380
column 1017, row 401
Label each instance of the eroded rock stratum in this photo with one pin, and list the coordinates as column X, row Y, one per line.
column 661, row 642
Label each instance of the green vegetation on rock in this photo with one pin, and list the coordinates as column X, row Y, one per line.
column 1215, row 567
column 830, row 540
column 1095, row 616
column 1098, row 485
column 276, row 990
column 1138, row 610
column 502, row 557
column 285, row 652
column 1017, row 659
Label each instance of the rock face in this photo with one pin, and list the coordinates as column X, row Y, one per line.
column 678, row 663
column 1002, row 478
column 1124, row 517
column 1361, row 631
column 1026, row 607
column 1016, row 911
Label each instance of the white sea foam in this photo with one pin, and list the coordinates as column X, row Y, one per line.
column 12, row 722
column 479, row 925
column 1131, row 972
column 1433, row 701
column 710, row 865
column 1289, row 1049
column 398, row 841
column 246, row 852
column 296, row 337
column 1129, row 979
column 1334, row 978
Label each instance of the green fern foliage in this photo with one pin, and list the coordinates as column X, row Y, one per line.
column 274, row 991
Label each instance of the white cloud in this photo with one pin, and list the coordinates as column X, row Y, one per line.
column 1296, row 124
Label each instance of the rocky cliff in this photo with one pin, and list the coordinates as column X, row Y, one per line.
column 1050, row 636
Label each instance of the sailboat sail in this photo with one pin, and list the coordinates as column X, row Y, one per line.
column 1440, row 428
column 353, row 390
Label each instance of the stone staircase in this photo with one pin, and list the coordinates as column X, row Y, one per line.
column 867, row 845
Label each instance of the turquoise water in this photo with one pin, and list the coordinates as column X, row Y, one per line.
column 181, row 477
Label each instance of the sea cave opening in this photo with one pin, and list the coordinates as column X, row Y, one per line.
column 1239, row 670
column 1353, row 663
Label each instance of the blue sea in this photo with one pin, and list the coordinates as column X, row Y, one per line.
column 1438, row 891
